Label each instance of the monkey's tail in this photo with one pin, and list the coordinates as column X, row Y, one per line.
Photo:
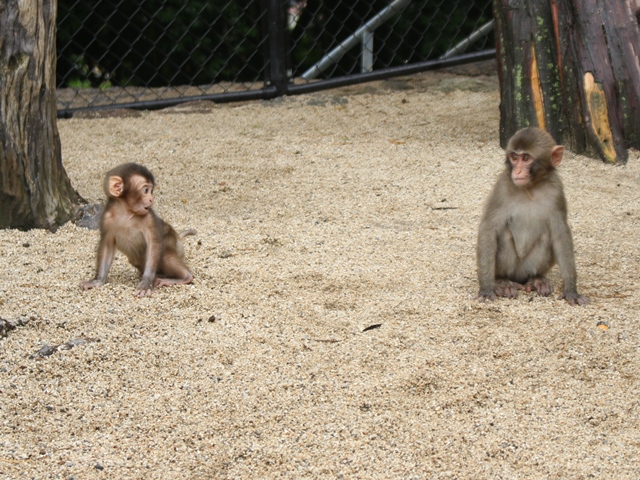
column 186, row 233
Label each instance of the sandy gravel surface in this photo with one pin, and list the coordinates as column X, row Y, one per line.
column 320, row 216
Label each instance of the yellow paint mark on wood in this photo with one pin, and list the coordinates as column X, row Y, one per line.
column 599, row 114
column 536, row 89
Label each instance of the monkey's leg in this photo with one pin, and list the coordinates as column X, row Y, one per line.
column 507, row 288
column 540, row 285
column 173, row 272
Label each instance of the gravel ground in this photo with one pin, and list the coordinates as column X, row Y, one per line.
column 331, row 330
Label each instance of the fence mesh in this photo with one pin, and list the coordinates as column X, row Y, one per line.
column 149, row 53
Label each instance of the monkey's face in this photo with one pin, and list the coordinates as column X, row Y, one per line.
column 520, row 164
column 140, row 198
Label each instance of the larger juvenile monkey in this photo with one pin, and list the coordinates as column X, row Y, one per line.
column 130, row 225
column 524, row 229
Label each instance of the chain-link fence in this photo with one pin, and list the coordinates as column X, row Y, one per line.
column 154, row 53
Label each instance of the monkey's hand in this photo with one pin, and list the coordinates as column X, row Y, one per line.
column 574, row 298
column 144, row 288
column 486, row 296
column 89, row 284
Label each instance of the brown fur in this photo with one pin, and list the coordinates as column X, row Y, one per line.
column 129, row 224
column 524, row 229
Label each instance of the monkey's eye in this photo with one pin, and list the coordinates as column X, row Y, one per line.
column 525, row 157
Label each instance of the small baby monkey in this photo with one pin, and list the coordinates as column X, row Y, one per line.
column 130, row 225
column 524, row 229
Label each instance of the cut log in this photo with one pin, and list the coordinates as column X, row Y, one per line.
column 573, row 68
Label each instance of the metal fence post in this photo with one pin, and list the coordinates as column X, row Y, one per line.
column 277, row 61
column 366, row 61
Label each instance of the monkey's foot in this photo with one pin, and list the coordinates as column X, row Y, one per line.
column 166, row 282
column 540, row 285
column 507, row 288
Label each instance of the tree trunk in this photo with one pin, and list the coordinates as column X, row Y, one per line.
column 571, row 67
column 35, row 190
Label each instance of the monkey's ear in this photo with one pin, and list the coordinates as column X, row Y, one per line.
column 556, row 155
column 116, row 186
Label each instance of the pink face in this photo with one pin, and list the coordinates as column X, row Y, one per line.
column 141, row 197
column 521, row 164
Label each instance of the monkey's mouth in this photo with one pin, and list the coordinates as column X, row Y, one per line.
column 520, row 181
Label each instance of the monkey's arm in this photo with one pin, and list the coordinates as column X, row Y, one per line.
column 494, row 219
column 106, row 251
column 153, row 237
column 563, row 252
column 486, row 250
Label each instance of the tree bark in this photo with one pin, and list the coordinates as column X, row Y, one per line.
column 35, row 190
column 571, row 67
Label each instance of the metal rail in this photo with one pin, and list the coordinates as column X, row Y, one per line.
column 363, row 34
column 483, row 31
